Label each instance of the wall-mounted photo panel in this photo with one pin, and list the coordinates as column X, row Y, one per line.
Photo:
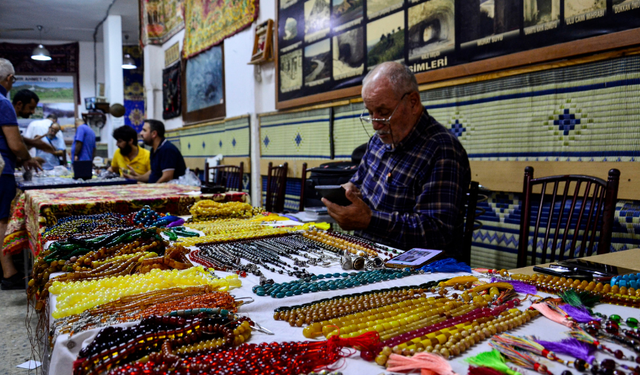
column 540, row 15
column 378, row 8
column 346, row 14
column 621, row 6
column 291, row 31
column 317, row 63
column 291, row 71
column 486, row 22
column 576, row 11
column 348, row 54
column 432, row 29
column 316, row 19
column 203, row 98
column 385, row 40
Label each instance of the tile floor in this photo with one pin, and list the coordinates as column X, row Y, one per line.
column 14, row 343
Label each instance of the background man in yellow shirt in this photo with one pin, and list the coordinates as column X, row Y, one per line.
column 128, row 155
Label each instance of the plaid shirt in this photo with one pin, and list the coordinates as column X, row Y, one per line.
column 417, row 190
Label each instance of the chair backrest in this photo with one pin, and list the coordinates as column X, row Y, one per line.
column 303, row 183
column 469, row 223
column 276, row 187
column 569, row 208
column 229, row 176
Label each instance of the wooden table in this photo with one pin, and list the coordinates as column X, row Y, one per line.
column 628, row 259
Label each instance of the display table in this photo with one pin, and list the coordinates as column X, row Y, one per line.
column 627, row 259
column 61, row 183
column 261, row 311
column 37, row 209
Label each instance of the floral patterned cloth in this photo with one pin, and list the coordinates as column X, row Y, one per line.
column 37, row 209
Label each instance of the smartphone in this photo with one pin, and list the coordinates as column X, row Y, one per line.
column 414, row 258
column 563, row 272
column 592, row 267
column 334, row 193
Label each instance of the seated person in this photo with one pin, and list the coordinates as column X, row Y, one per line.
column 129, row 155
column 167, row 162
column 409, row 190
column 51, row 160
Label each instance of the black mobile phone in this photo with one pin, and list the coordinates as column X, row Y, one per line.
column 590, row 267
column 334, row 193
column 563, row 272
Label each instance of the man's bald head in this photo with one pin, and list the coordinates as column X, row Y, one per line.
column 397, row 76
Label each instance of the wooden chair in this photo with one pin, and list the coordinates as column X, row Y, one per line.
column 469, row 222
column 276, row 187
column 302, row 184
column 229, row 176
column 575, row 213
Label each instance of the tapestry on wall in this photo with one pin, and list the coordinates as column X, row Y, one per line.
column 210, row 22
column 64, row 59
column 160, row 20
column 171, row 92
column 134, row 89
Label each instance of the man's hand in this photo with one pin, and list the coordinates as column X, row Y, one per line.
column 75, row 158
column 59, row 153
column 38, row 137
column 130, row 173
column 352, row 217
column 32, row 164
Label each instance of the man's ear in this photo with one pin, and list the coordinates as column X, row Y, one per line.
column 416, row 103
column 18, row 107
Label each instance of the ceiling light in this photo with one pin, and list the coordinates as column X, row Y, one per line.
column 128, row 62
column 40, row 53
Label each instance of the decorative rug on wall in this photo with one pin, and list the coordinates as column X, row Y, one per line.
column 209, row 22
column 171, row 92
column 160, row 20
column 134, row 89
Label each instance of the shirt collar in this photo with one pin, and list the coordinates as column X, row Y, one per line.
column 3, row 91
column 161, row 144
column 418, row 132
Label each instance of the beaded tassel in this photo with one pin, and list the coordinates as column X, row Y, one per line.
column 552, row 314
column 578, row 314
column 519, row 286
column 481, row 370
column 426, row 362
column 571, row 346
column 494, row 360
column 519, row 358
column 581, row 299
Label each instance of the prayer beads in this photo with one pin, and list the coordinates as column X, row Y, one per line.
column 75, row 297
column 208, row 209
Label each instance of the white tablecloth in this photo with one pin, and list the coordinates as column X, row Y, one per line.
column 66, row 350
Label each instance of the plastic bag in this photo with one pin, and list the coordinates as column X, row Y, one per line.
column 59, row 171
column 189, row 178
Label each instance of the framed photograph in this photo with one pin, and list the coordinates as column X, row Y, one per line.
column 203, row 83
column 56, row 93
column 263, row 43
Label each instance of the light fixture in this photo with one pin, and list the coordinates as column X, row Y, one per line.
column 127, row 62
column 40, row 53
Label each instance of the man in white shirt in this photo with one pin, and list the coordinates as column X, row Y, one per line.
column 40, row 128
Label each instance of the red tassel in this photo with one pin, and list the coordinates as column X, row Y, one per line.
column 366, row 343
column 483, row 371
column 551, row 314
column 428, row 363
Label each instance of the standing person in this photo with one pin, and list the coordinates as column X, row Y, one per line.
column 11, row 148
column 129, row 154
column 409, row 190
column 51, row 160
column 24, row 103
column 84, row 142
column 167, row 162
column 40, row 128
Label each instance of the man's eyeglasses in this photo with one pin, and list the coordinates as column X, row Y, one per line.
column 369, row 120
column 13, row 79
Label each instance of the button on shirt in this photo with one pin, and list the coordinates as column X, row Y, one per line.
column 166, row 157
column 416, row 191
column 85, row 135
column 7, row 118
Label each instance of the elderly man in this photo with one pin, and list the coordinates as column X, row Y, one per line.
column 39, row 128
column 167, row 162
column 11, row 148
column 50, row 160
column 410, row 187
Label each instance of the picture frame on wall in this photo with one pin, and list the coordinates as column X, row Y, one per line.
column 57, row 93
column 263, row 43
column 203, row 85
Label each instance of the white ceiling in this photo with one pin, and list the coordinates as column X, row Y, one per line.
column 68, row 20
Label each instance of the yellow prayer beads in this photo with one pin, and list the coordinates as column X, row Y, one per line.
column 226, row 237
column 118, row 258
column 76, row 297
column 208, row 209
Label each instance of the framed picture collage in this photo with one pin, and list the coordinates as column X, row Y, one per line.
column 330, row 45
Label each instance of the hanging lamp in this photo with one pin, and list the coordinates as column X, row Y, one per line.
column 40, row 53
column 127, row 61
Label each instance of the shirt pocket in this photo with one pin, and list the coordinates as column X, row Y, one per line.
column 397, row 197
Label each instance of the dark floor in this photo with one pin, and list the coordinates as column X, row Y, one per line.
column 15, row 348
